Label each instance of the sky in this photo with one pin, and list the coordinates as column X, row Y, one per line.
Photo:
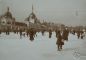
column 58, row 11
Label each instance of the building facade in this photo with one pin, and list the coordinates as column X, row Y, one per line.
column 7, row 20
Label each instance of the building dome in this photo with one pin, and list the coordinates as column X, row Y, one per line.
column 33, row 16
column 8, row 14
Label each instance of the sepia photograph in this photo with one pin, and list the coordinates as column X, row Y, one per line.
column 42, row 29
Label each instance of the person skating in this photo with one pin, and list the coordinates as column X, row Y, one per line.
column 50, row 33
column 32, row 33
column 20, row 33
column 78, row 34
column 65, row 34
column 59, row 41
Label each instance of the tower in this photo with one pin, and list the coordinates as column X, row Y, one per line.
column 7, row 9
column 32, row 19
column 8, row 14
column 32, row 9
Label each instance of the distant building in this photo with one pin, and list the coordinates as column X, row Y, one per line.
column 20, row 25
column 32, row 19
column 7, row 20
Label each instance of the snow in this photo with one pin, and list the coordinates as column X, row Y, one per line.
column 42, row 48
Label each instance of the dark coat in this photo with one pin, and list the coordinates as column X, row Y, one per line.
column 59, row 40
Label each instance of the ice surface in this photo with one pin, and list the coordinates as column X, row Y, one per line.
column 42, row 48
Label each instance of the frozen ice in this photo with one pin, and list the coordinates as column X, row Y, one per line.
column 42, row 48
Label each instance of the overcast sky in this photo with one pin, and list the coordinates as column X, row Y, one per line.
column 60, row 11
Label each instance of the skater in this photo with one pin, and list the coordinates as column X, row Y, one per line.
column 59, row 41
column 32, row 33
column 78, row 34
column 50, row 33
column 82, row 34
column 20, row 33
column 65, row 34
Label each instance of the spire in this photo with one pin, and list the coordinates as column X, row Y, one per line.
column 32, row 8
column 7, row 9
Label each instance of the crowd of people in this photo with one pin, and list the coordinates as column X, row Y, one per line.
column 61, row 35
